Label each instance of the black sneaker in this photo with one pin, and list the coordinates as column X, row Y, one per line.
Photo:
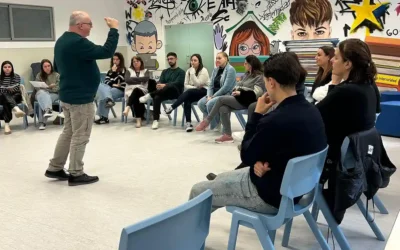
column 169, row 110
column 189, row 127
column 211, row 176
column 61, row 175
column 82, row 180
column 102, row 120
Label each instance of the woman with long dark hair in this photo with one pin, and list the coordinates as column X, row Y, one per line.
column 196, row 83
column 350, row 106
column 112, row 88
column 10, row 94
column 246, row 92
column 137, row 85
column 46, row 97
column 323, row 61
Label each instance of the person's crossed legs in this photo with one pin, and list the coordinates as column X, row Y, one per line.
column 233, row 188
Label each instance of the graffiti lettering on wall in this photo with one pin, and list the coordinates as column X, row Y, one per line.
column 366, row 13
column 311, row 19
column 398, row 9
column 167, row 5
column 274, row 8
column 222, row 12
column 193, row 8
column 145, row 42
column 277, row 21
column 392, row 32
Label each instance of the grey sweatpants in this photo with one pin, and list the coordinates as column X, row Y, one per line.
column 233, row 188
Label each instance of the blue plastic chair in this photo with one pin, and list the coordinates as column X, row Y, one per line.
column 150, row 101
column 239, row 114
column 182, row 228
column 38, row 112
column 301, row 177
column 321, row 204
column 194, row 112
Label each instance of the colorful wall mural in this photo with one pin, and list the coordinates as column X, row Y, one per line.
column 260, row 27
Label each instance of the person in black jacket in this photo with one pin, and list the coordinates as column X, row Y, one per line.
column 271, row 140
column 351, row 106
column 323, row 61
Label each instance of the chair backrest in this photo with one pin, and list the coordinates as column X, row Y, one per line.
column 301, row 177
column 102, row 77
column 184, row 227
column 35, row 69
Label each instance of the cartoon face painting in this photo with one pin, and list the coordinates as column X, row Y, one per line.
column 249, row 39
column 311, row 19
column 145, row 38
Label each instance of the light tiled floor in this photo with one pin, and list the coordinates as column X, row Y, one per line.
column 142, row 173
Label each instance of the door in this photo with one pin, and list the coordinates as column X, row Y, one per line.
column 188, row 39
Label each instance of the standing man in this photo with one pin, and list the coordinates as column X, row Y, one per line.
column 75, row 57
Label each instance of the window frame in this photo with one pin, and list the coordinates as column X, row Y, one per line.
column 31, row 7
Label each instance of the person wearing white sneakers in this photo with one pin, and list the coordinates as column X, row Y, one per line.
column 46, row 97
column 169, row 87
column 10, row 94
column 136, row 86
column 196, row 83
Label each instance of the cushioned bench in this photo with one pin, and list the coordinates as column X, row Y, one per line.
column 389, row 96
column 388, row 122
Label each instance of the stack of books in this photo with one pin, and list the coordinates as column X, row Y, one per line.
column 386, row 55
column 306, row 50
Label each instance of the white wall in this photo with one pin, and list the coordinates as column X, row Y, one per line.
column 62, row 10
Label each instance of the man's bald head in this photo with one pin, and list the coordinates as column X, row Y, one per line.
column 78, row 17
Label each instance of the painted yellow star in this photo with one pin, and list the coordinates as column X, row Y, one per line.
column 365, row 12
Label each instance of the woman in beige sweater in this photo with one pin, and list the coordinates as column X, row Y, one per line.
column 47, row 96
column 196, row 83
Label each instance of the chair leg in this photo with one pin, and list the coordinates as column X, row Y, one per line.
column 286, row 233
column 315, row 211
column 317, row 233
column 183, row 117
column 264, row 236
column 370, row 221
column 233, row 233
column 336, row 230
column 60, row 111
column 175, row 116
column 272, row 234
column 122, row 111
column 195, row 113
column 379, row 205
column 148, row 112
column 113, row 112
column 165, row 107
column 241, row 120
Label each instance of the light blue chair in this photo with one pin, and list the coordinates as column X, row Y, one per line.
column 194, row 112
column 38, row 112
column 301, row 177
column 182, row 228
column 239, row 115
column 321, row 204
column 22, row 107
column 149, row 103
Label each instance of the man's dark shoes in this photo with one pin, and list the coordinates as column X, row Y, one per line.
column 82, row 180
column 211, row 176
column 60, row 175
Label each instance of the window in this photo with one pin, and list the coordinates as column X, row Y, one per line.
column 26, row 23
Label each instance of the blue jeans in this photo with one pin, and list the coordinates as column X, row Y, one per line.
column 206, row 109
column 103, row 93
column 46, row 99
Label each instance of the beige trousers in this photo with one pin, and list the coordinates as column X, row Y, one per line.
column 73, row 139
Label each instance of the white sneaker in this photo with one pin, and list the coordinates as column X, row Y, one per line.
column 48, row 113
column 238, row 136
column 42, row 126
column 61, row 115
column 189, row 127
column 155, row 125
column 145, row 98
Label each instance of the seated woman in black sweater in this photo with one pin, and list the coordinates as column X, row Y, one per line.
column 351, row 106
column 10, row 94
column 323, row 60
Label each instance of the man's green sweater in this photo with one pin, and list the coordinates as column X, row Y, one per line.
column 174, row 78
column 75, row 60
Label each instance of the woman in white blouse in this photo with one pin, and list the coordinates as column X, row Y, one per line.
column 320, row 92
column 196, row 83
